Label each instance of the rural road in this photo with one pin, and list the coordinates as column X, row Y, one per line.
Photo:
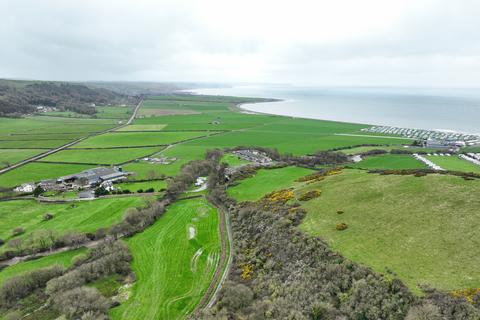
column 65, row 146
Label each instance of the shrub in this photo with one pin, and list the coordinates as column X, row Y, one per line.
column 80, row 301
column 21, row 286
column 280, row 195
column 18, row 231
column 47, row 216
column 309, row 195
column 2, row 242
column 341, row 226
column 140, row 191
column 150, row 190
column 340, row 212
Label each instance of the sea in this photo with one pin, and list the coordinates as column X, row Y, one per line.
column 445, row 109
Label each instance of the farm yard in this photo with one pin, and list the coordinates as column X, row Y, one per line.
column 433, row 217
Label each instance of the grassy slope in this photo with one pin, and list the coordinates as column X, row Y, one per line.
column 424, row 229
column 389, row 161
column 454, row 163
column 84, row 216
column 170, row 281
column 63, row 258
column 266, row 181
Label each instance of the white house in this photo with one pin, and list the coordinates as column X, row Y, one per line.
column 26, row 187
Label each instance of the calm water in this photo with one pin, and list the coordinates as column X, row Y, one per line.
column 443, row 109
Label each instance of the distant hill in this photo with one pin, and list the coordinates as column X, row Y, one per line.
column 24, row 97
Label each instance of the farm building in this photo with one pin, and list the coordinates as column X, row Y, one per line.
column 93, row 177
column 26, row 187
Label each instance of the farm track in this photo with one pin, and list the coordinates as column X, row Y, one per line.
column 224, row 262
column 65, row 146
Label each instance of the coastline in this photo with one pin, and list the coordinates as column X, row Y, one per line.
column 241, row 107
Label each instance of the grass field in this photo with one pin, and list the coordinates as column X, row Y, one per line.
column 128, row 139
column 174, row 261
column 34, row 172
column 266, row 181
column 143, row 127
column 390, row 161
column 113, row 112
column 11, row 156
column 454, row 163
column 85, row 216
column 423, row 229
column 63, row 258
column 100, row 156
column 134, row 186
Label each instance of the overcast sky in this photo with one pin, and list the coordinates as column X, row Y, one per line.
column 318, row 42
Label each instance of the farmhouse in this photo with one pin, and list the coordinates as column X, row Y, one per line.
column 26, row 187
column 94, row 177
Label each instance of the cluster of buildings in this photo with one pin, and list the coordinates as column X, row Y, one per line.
column 431, row 138
column 254, row 156
column 472, row 157
column 87, row 179
column 161, row 160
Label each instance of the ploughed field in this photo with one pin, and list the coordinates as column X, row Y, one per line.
column 428, row 223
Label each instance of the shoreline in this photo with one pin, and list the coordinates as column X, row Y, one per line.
column 286, row 112
column 241, row 108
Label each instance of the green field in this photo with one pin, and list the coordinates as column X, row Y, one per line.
column 143, row 127
column 454, row 163
column 266, row 181
column 113, row 112
column 63, row 258
column 173, row 269
column 134, row 186
column 35, row 171
column 390, row 161
column 11, row 156
column 423, row 229
column 84, row 216
column 129, row 139
column 101, row 156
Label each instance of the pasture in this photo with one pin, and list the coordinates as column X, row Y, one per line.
column 390, row 161
column 133, row 186
column 265, row 181
column 64, row 259
column 36, row 171
column 422, row 230
column 454, row 163
column 12, row 156
column 100, row 156
column 83, row 216
column 174, row 261
column 129, row 139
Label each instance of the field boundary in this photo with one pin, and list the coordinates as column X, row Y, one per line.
column 65, row 146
